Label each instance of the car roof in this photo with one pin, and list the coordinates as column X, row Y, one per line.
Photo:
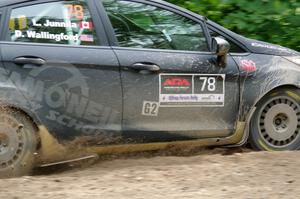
column 11, row 2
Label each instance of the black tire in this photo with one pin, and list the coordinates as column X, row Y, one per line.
column 275, row 125
column 17, row 144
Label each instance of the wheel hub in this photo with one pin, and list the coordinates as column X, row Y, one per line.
column 283, row 120
column 279, row 122
column 11, row 141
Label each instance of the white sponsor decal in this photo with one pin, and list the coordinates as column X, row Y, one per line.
column 150, row 108
column 261, row 45
column 189, row 90
column 204, row 98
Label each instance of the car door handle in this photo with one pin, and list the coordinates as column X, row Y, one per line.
column 145, row 67
column 29, row 60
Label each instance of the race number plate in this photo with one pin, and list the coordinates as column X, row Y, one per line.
column 189, row 90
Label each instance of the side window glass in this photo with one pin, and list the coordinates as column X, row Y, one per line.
column 139, row 25
column 234, row 48
column 65, row 22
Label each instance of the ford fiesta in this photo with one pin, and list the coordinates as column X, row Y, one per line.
column 117, row 75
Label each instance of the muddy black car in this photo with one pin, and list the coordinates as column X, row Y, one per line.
column 126, row 75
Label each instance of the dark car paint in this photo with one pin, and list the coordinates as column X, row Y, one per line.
column 187, row 121
column 79, row 106
column 120, row 110
column 272, row 72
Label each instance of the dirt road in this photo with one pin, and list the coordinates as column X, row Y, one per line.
column 240, row 175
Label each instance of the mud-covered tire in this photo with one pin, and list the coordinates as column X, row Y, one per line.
column 275, row 125
column 18, row 144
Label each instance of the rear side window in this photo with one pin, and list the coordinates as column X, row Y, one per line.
column 140, row 25
column 65, row 22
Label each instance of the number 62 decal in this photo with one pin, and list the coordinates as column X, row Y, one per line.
column 150, row 108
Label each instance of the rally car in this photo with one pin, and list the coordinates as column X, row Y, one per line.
column 126, row 75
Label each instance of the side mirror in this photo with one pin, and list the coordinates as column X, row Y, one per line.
column 221, row 47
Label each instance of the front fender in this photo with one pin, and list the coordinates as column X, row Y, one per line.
column 260, row 74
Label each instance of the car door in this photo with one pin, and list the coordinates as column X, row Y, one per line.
column 59, row 67
column 173, row 88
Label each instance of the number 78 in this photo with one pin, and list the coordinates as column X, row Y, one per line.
column 77, row 10
column 209, row 83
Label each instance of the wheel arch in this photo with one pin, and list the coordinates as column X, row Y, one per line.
column 30, row 116
column 252, row 110
column 48, row 147
column 285, row 86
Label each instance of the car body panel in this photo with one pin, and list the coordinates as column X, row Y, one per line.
column 117, row 93
column 184, row 120
column 70, row 94
column 270, row 73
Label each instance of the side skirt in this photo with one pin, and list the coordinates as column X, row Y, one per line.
column 119, row 149
column 52, row 152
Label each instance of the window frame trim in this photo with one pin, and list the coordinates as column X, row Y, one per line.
column 2, row 10
column 97, row 23
column 228, row 37
column 112, row 35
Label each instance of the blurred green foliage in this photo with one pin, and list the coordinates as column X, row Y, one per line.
column 274, row 21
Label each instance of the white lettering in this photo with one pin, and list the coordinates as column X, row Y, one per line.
column 56, row 37
column 18, row 33
column 34, row 23
column 55, row 24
